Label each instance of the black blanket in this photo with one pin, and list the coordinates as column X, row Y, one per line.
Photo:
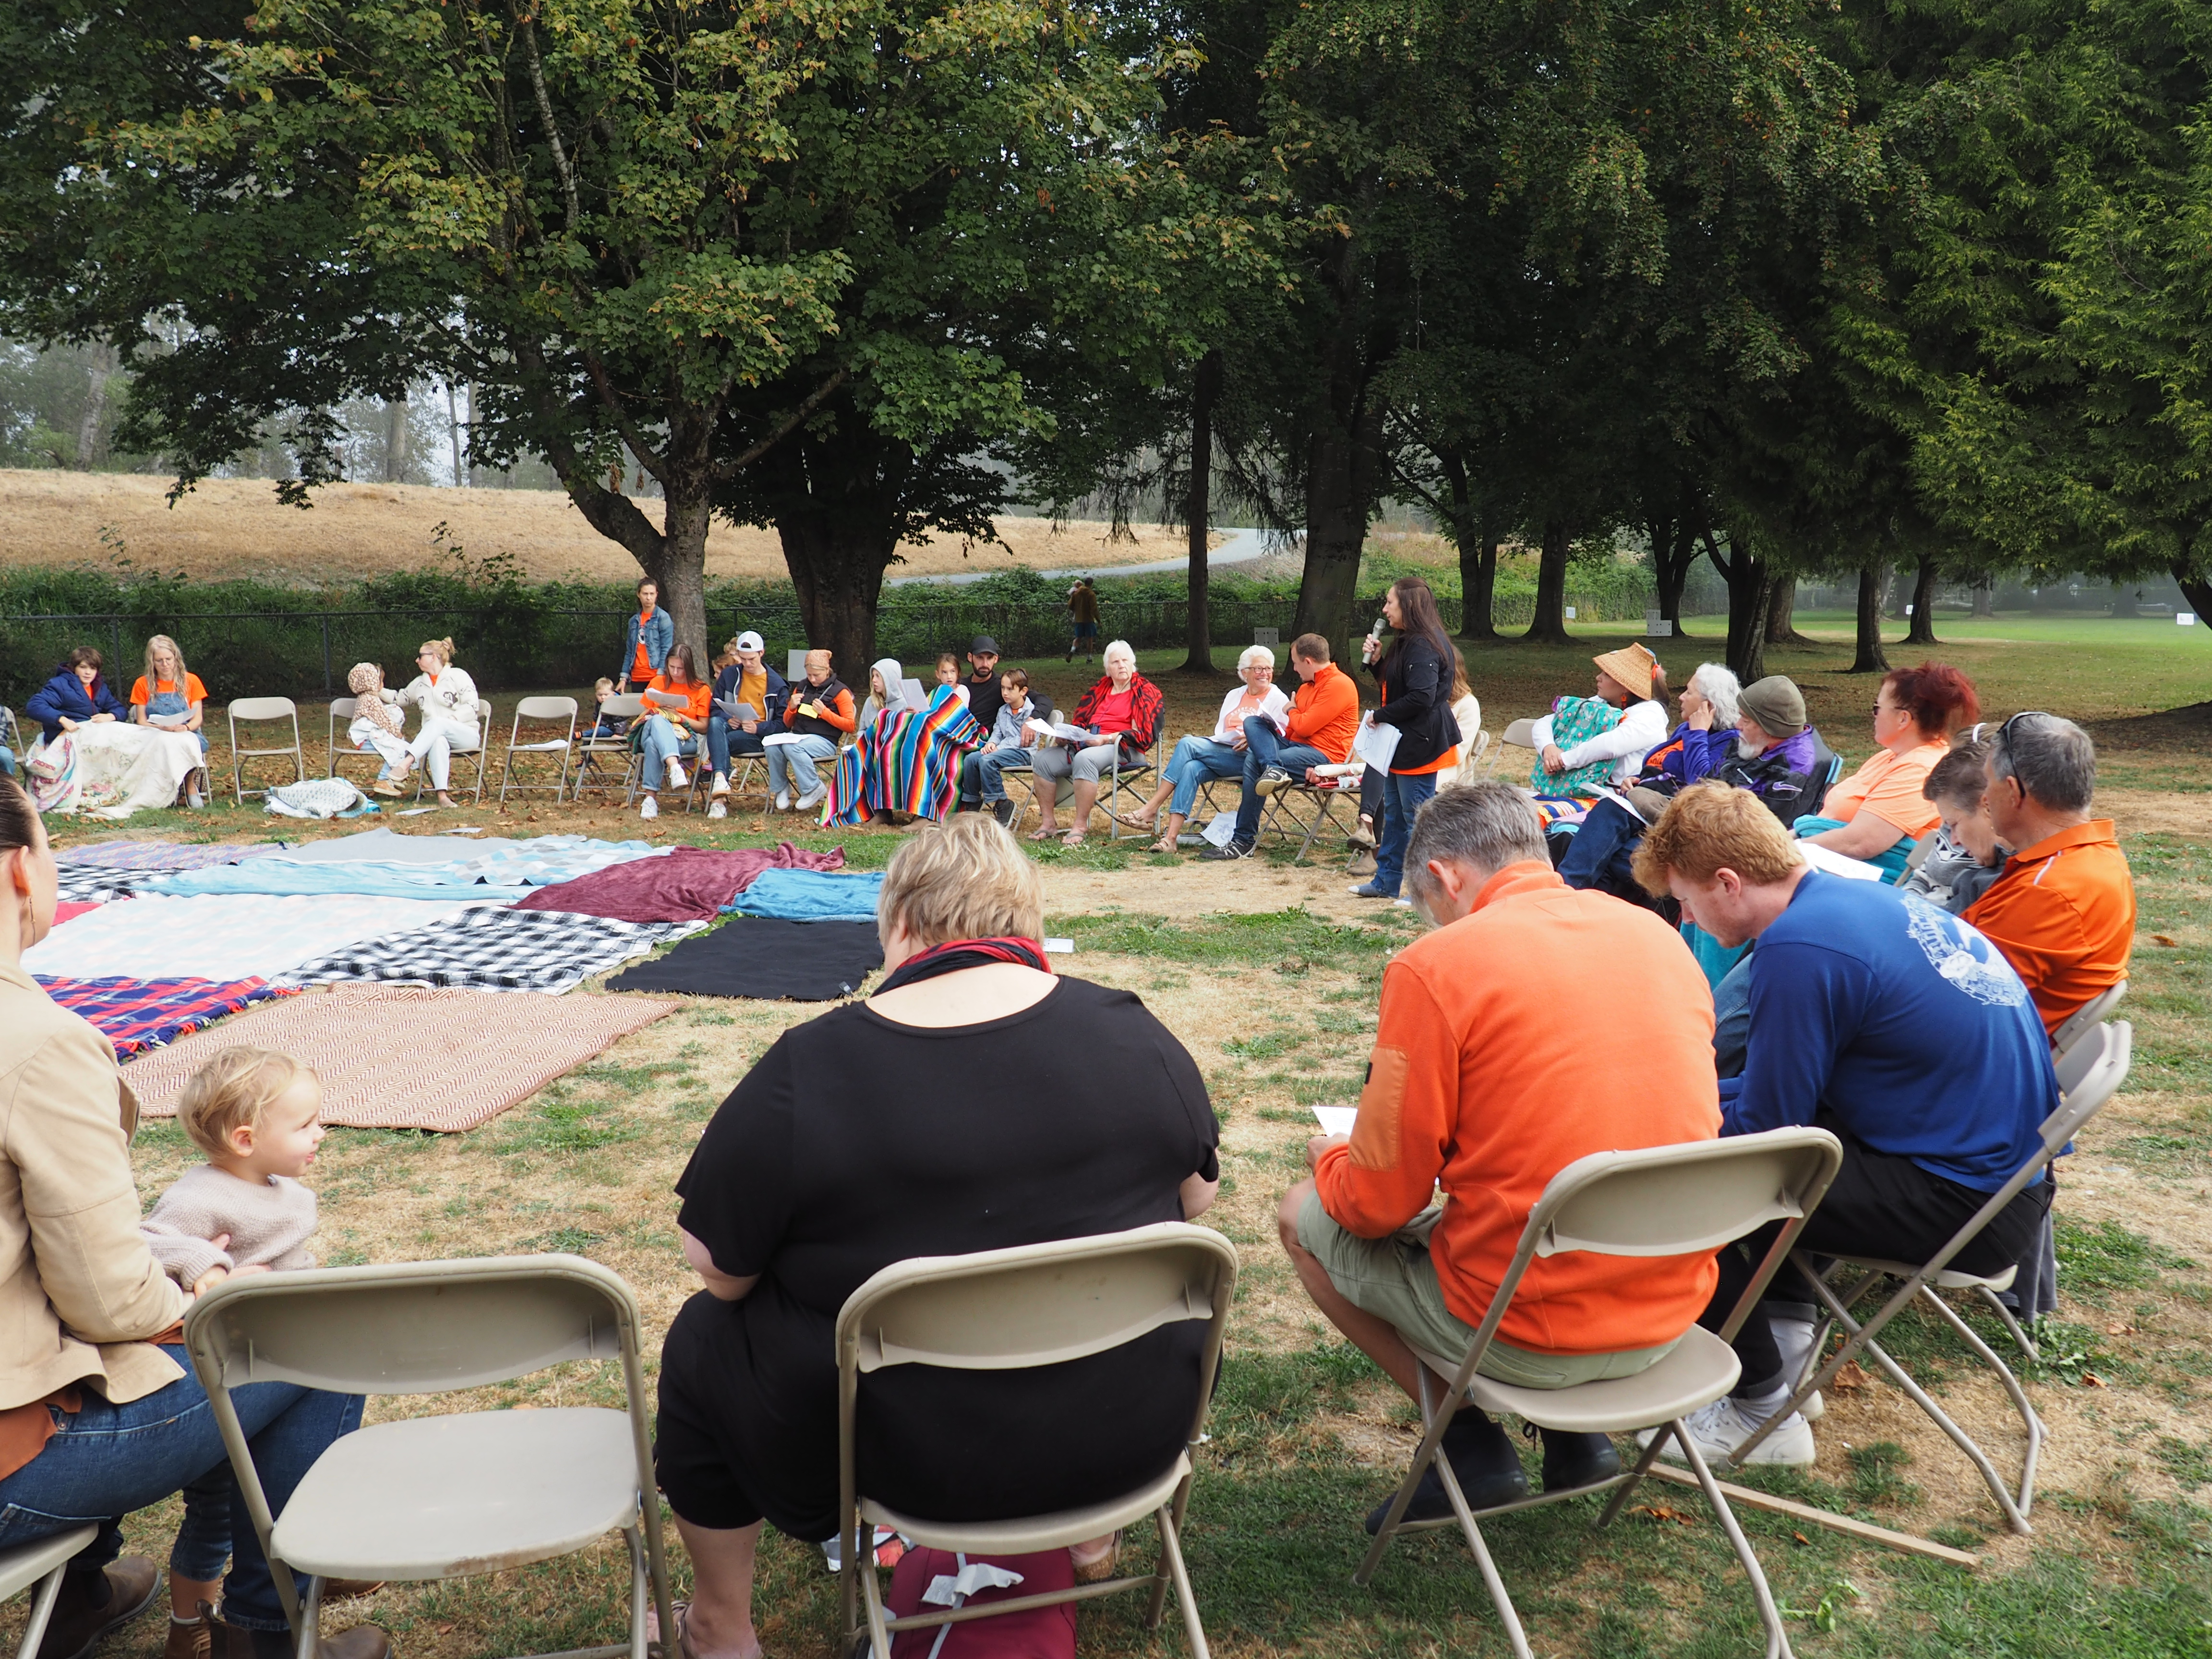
column 764, row 957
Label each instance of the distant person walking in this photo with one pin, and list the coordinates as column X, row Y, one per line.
column 1082, row 618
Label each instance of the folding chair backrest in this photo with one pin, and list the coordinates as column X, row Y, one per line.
column 546, row 708
column 10, row 733
column 343, row 709
column 1521, row 734
column 2089, row 1074
column 412, row 1327
column 623, row 705
column 264, row 708
column 1037, row 1305
column 1683, row 1200
column 2090, row 1013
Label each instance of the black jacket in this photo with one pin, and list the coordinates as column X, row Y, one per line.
column 1416, row 682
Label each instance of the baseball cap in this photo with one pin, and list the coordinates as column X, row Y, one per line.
column 749, row 641
column 983, row 645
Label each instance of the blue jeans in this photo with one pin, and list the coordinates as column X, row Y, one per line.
column 1602, row 853
column 1263, row 748
column 663, row 738
column 723, row 740
column 792, row 764
column 990, row 788
column 1402, row 796
column 108, row 1460
column 1197, row 760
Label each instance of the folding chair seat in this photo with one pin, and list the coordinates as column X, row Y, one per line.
column 2090, row 1075
column 257, row 711
column 481, row 755
column 595, row 757
column 435, row 1497
column 545, row 710
column 1029, row 1306
column 1306, row 810
column 41, row 1562
column 1658, row 1201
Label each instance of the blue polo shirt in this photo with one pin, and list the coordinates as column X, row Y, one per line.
column 1904, row 1022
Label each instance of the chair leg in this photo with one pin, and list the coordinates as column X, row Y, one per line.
column 871, row 1595
column 1171, row 1540
column 1490, row 1577
column 2016, row 1512
column 1994, row 1302
column 311, row 1620
column 42, row 1610
column 640, row 1595
column 1777, row 1639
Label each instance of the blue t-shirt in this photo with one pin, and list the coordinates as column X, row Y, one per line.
column 1903, row 1021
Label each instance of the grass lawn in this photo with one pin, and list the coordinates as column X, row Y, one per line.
column 1268, row 973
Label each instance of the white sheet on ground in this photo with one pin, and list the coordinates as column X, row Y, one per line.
column 536, row 861
column 228, row 937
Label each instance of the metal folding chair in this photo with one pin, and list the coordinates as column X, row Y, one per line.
column 2085, row 1019
column 591, row 750
column 1306, row 810
column 1129, row 775
column 1010, row 1310
column 41, row 1562
column 261, row 710
column 343, row 710
column 436, row 1498
column 548, row 711
column 481, row 755
column 11, row 732
column 2090, row 1075
column 1659, row 1201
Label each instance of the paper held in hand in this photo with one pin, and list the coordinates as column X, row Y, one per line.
column 1059, row 731
column 911, row 695
column 1374, row 744
column 1837, row 864
column 777, row 739
column 1335, row 1120
column 170, row 722
column 736, row 712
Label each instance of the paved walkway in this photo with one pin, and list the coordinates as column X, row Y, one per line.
column 1242, row 545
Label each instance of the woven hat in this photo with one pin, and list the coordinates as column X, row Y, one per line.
column 1630, row 667
column 1775, row 704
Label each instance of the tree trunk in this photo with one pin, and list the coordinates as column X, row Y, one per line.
column 838, row 570
column 1344, row 460
column 2197, row 588
column 1923, row 631
column 395, row 441
column 101, row 370
column 1985, row 598
column 1670, row 566
column 1870, row 658
column 1206, row 392
column 453, row 432
column 1781, row 612
column 1548, row 624
column 1478, row 552
column 1745, row 574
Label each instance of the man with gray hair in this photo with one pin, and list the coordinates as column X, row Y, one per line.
column 1477, row 1084
column 2063, row 912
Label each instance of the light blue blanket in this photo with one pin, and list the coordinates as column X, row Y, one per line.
column 810, row 896
column 508, row 869
column 411, row 881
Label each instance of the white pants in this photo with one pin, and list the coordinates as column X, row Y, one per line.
column 436, row 743
column 390, row 746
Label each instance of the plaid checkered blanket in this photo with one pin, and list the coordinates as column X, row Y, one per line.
column 96, row 885
column 494, row 949
column 135, row 1014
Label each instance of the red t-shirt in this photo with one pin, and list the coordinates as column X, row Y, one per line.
column 1112, row 714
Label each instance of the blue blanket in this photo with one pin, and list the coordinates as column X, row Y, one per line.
column 810, row 896
column 276, row 877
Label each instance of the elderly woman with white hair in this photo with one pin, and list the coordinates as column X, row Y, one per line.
column 843, row 1151
column 1120, row 716
column 1198, row 761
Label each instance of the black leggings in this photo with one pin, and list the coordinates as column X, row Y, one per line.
column 1880, row 1205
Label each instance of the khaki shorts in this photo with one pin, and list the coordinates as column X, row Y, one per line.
column 1394, row 1278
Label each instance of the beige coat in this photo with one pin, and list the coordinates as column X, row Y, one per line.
column 80, row 1293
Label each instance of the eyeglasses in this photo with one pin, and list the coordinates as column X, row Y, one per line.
column 2004, row 732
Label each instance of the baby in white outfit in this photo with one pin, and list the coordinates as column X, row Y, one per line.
column 258, row 1115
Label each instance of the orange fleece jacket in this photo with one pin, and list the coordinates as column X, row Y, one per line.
column 1490, row 1074
column 2063, row 913
column 1325, row 714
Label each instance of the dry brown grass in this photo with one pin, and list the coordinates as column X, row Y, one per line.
column 235, row 527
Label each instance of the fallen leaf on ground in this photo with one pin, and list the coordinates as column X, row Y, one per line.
column 1850, row 1379
column 2090, row 1379
column 1800, row 1538
column 2118, row 1330
column 1663, row 1512
column 2168, row 940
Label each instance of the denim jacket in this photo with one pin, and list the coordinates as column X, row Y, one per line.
column 660, row 635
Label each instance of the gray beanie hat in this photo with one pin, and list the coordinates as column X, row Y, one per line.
column 1775, row 704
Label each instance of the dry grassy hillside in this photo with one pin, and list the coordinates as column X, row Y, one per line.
column 235, row 527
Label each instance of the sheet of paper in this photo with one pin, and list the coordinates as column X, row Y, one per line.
column 775, row 737
column 1335, row 1120
column 911, row 695
column 168, row 722
column 1375, row 744
column 1219, row 829
column 1837, row 864
column 1060, row 947
column 414, row 811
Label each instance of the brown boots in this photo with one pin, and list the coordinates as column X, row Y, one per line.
column 92, row 1604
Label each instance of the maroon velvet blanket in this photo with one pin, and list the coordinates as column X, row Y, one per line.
column 692, row 884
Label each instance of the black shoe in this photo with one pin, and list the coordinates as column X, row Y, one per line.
column 235, row 1641
column 1274, row 778
column 1235, row 849
column 92, row 1605
column 1482, row 1458
column 1577, row 1460
column 1004, row 812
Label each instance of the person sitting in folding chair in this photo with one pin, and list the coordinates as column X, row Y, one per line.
column 982, row 783
column 1317, row 730
column 2063, row 912
column 747, row 707
column 1875, row 1015
column 1476, row 1085
column 841, row 1154
column 1122, row 715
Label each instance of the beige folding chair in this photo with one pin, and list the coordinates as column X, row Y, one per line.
column 548, row 710
column 252, row 710
column 1012, row 1309
column 591, row 750
column 436, row 1498
column 1521, row 734
column 1659, row 1201
column 1132, row 776
column 343, row 710
column 41, row 1562
column 2085, row 1019
column 2091, row 1074
column 481, row 755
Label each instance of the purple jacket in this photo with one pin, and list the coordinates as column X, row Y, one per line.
column 1782, row 777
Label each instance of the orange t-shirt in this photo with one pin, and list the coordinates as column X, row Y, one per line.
column 1482, row 1082
column 194, row 692
column 1326, row 714
column 698, row 698
column 641, row 665
column 2063, row 913
column 1888, row 785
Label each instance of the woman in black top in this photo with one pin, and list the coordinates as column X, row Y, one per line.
column 911, row 1125
column 1414, row 671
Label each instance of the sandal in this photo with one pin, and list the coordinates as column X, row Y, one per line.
column 1047, row 835
column 1101, row 1567
column 1072, row 838
column 1162, row 845
column 682, row 1612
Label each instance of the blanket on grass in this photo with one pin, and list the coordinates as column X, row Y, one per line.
column 138, row 1014
column 156, row 937
column 810, row 895
column 493, row 950
column 394, row 1058
column 773, row 960
column 692, row 884
column 159, row 854
column 534, row 861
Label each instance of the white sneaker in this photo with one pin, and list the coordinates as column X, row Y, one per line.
column 650, row 809
column 1721, row 1427
column 721, row 785
column 1815, row 1407
column 719, row 810
column 812, row 799
column 676, row 778
column 783, row 800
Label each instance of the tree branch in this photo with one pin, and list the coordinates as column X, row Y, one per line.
column 632, row 434
column 552, row 128
column 790, row 424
